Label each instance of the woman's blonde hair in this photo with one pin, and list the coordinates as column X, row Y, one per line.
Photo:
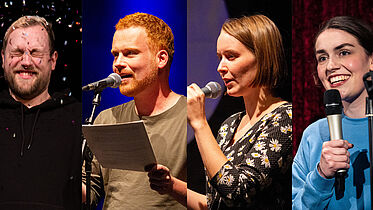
column 261, row 36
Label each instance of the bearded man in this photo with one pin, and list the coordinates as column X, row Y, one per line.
column 40, row 133
column 143, row 48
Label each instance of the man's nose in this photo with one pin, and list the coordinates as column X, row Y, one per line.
column 120, row 63
column 26, row 60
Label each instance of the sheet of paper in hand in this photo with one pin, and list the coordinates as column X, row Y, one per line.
column 120, row 146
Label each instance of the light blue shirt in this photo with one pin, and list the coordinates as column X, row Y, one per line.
column 310, row 190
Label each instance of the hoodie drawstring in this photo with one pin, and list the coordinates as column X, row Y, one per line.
column 23, row 131
column 33, row 129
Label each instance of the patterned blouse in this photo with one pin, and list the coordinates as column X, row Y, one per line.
column 257, row 174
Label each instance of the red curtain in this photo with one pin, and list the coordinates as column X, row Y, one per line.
column 307, row 16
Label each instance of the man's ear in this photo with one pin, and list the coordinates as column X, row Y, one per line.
column 162, row 59
column 3, row 59
column 53, row 59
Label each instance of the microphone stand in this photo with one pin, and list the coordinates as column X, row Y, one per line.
column 87, row 153
column 368, row 82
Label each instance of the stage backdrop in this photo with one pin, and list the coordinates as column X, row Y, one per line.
column 307, row 16
column 99, row 20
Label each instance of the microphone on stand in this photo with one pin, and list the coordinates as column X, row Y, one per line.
column 212, row 90
column 333, row 110
column 368, row 82
column 113, row 81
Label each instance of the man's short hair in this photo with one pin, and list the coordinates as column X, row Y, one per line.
column 159, row 33
column 28, row 21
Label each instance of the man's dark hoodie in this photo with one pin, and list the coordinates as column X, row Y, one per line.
column 40, row 154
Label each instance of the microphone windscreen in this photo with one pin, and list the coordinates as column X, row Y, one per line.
column 212, row 90
column 332, row 102
column 116, row 78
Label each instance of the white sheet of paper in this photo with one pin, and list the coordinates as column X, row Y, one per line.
column 120, row 146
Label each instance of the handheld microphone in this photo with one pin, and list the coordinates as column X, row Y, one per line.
column 333, row 110
column 212, row 90
column 113, row 81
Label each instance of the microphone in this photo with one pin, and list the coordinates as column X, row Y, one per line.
column 333, row 110
column 212, row 90
column 113, row 81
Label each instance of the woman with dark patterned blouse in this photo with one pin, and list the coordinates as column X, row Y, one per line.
column 247, row 166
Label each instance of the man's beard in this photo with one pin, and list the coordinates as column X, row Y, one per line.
column 29, row 91
column 136, row 86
